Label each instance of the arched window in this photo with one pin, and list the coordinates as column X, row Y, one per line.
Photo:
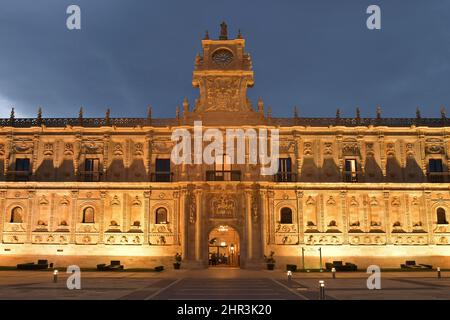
column 88, row 215
column 161, row 215
column 16, row 215
column 286, row 216
column 441, row 218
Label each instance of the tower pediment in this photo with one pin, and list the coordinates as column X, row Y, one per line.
column 223, row 72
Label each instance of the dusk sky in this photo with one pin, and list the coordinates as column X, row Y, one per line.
column 316, row 54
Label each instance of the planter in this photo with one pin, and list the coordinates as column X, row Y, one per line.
column 270, row 266
column 176, row 266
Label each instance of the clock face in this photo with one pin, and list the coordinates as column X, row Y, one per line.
column 222, row 57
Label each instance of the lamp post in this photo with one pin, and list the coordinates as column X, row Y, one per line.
column 289, row 277
column 321, row 290
column 55, row 276
column 333, row 271
column 303, row 258
column 320, row 254
column 439, row 272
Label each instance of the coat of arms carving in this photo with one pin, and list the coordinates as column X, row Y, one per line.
column 223, row 206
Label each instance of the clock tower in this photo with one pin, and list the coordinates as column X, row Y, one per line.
column 223, row 73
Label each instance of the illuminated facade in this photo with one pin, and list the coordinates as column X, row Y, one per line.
column 86, row 191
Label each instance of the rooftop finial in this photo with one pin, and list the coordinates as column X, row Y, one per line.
column 269, row 112
column 358, row 113
column 260, row 106
column 295, row 112
column 206, row 35
column 338, row 113
column 149, row 113
column 39, row 117
column 239, row 36
column 185, row 106
column 177, row 113
column 108, row 117
column 418, row 115
column 378, row 112
column 80, row 116
column 223, row 31
column 443, row 114
column 12, row 117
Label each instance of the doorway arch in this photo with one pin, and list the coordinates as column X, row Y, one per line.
column 224, row 247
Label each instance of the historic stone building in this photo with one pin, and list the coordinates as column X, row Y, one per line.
column 86, row 191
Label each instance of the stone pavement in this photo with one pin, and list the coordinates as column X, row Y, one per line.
column 223, row 284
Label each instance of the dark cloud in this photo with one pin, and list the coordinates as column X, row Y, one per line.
column 315, row 54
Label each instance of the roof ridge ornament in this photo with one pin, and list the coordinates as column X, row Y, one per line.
column 223, row 31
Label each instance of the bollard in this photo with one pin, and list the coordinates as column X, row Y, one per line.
column 289, row 275
column 55, row 276
column 438, row 272
column 321, row 290
column 333, row 271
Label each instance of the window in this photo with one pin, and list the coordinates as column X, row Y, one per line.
column 350, row 171
column 286, row 216
column 88, row 215
column 91, row 169
column 223, row 170
column 161, row 215
column 162, row 170
column 435, row 170
column 23, row 165
column 22, row 169
column 435, row 165
column 285, row 170
column 16, row 215
column 441, row 217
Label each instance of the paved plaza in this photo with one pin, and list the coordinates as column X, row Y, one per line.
column 221, row 284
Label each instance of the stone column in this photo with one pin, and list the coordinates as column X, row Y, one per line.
column 300, row 222
column 34, row 156
column 345, row 221
column 198, row 225
column 32, row 205
column 103, row 195
column 248, row 223
column 426, row 202
column 106, row 142
column 73, row 221
column 387, row 220
column 2, row 210
column 181, row 216
column 147, row 215
column 271, row 218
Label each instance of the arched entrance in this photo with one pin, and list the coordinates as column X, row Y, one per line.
column 224, row 247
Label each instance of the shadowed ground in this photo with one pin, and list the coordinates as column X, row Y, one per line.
column 221, row 284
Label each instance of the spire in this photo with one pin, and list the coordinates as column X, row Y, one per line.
column 239, row 36
column 185, row 106
column 295, row 112
column 80, row 117
column 12, row 117
column 443, row 114
column 206, row 37
column 269, row 112
column 223, row 31
column 149, row 114
column 418, row 115
column 108, row 117
column 177, row 113
column 378, row 112
column 358, row 113
column 39, row 117
column 338, row 114
column 260, row 106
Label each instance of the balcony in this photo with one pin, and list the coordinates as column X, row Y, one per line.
column 162, row 177
column 285, row 177
column 21, row 175
column 350, row 176
column 232, row 175
column 90, row 176
column 437, row 177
